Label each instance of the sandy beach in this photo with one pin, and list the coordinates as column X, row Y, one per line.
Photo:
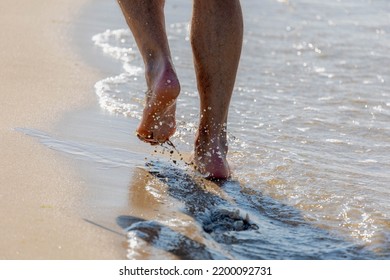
column 41, row 79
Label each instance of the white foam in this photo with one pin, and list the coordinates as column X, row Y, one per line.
column 116, row 43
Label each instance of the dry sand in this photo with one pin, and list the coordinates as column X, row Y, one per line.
column 41, row 79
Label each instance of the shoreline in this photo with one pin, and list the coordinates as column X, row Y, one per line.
column 41, row 192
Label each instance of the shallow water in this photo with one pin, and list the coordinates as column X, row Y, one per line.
column 309, row 120
column 309, row 139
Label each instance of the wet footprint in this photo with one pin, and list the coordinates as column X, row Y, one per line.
column 165, row 238
column 222, row 220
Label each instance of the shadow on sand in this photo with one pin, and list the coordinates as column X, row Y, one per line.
column 230, row 221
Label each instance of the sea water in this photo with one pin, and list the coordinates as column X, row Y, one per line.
column 309, row 122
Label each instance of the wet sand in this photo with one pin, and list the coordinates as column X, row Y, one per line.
column 41, row 194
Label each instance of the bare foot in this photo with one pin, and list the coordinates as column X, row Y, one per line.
column 158, row 122
column 210, row 156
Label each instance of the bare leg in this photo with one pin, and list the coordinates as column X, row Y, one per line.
column 216, row 38
column 147, row 23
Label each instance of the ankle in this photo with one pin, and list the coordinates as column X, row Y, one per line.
column 210, row 158
column 211, row 144
column 212, row 135
column 160, row 72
